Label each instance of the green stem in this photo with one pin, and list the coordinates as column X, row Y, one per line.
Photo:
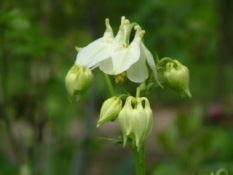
column 138, row 92
column 165, row 59
column 139, row 159
column 109, row 84
column 143, row 160
column 222, row 172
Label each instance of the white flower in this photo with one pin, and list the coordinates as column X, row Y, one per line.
column 115, row 55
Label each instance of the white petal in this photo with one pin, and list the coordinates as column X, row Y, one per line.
column 106, row 66
column 150, row 61
column 93, row 53
column 123, row 57
column 138, row 71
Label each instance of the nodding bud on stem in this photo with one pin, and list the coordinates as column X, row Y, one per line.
column 109, row 110
column 136, row 120
column 176, row 75
column 78, row 80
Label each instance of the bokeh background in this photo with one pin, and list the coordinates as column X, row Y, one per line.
column 42, row 133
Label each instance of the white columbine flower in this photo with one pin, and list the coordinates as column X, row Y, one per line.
column 115, row 55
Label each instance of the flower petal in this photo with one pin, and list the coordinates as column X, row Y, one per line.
column 150, row 61
column 93, row 53
column 98, row 50
column 138, row 71
column 106, row 66
column 123, row 57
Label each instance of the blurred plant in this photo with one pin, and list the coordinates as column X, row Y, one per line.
column 123, row 59
column 193, row 144
column 219, row 172
column 29, row 97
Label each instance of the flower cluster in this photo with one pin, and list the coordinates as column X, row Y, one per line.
column 115, row 55
column 135, row 118
column 121, row 58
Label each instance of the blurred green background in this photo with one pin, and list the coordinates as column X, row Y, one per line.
column 42, row 133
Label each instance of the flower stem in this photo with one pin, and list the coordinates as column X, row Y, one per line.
column 109, row 84
column 138, row 92
column 222, row 172
column 139, row 159
column 165, row 59
column 143, row 160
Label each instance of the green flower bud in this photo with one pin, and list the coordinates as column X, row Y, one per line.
column 136, row 120
column 109, row 110
column 177, row 76
column 78, row 80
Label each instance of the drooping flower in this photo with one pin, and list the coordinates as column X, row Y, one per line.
column 136, row 120
column 177, row 76
column 78, row 80
column 116, row 55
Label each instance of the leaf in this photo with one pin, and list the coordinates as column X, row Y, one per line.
column 110, row 139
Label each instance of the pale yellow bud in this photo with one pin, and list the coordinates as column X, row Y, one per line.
column 78, row 80
column 109, row 110
column 177, row 76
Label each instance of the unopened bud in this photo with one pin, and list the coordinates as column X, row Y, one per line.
column 109, row 110
column 177, row 76
column 136, row 120
column 78, row 80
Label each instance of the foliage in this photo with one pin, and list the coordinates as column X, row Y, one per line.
column 191, row 144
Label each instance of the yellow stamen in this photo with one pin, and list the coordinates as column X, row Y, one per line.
column 120, row 79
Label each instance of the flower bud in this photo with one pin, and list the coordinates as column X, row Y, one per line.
column 177, row 76
column 136, row 120
column 78, row 80
column 109, row 110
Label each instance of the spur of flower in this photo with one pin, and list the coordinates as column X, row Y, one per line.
column 116, row 55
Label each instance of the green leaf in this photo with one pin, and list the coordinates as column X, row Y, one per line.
column 110, row 139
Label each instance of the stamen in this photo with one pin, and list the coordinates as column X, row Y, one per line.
column 120, row 78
